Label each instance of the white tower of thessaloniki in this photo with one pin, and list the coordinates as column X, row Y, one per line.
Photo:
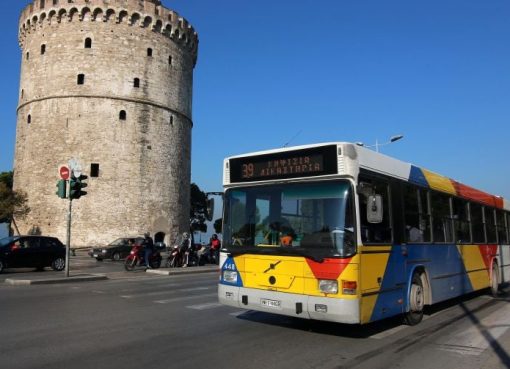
column 108, row 83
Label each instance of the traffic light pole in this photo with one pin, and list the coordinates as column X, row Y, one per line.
column 68, row 241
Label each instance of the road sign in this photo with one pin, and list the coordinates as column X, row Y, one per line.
column 64, row 172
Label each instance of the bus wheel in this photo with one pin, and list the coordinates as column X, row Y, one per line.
column 416, row 301
column 494, row 280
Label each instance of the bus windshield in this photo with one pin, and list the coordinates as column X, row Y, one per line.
column 315, row 220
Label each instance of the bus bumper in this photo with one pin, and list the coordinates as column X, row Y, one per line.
column 300, row 306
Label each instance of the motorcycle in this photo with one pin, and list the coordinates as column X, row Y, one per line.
column 178, row 257
column 207, row 256
column 136, row 258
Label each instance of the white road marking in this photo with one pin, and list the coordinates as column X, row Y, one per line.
column 155, row 293
column 183, row 298
column 210, row 305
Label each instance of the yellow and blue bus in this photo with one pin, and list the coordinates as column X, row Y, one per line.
column 338, row 232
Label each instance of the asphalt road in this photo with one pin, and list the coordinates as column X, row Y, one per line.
column 135, row 320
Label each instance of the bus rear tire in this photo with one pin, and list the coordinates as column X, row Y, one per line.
column 416, row 301
column 494, row 280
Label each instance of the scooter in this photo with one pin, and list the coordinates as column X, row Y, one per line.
column 179, row 257
column 175, row 258
column 207, row 256
column 136, row 258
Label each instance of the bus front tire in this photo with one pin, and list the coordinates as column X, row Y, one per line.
column 416, row 301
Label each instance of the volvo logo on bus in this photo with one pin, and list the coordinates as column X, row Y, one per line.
column 272, row 266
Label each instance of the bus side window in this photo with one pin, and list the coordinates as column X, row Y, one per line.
column 374, row 212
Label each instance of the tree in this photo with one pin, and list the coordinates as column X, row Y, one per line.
column 198, row 209
column 6, row 177
column 218, row 225
column 13, row 204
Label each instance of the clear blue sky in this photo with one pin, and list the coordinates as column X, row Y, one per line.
column 436, row 71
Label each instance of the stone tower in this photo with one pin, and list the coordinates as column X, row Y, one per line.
column 108, row 83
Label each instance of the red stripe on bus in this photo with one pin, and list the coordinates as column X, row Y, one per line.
column 329, row 268
column 488, row 252
column 471, row 193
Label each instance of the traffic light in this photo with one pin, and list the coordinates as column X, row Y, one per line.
column 61, row 189
column 76, row 186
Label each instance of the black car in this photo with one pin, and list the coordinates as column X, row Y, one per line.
column 117, row 250
column 32, row 252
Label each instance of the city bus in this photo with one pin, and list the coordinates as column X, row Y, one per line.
column 338, row 232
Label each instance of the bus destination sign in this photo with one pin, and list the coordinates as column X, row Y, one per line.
column 289, row 164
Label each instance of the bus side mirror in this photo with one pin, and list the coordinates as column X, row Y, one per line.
column 374, row 209
column 210, row 209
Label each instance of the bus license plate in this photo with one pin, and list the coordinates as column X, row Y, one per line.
column 275, row 304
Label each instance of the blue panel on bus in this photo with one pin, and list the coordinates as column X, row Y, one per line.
column 416, row 176
column 445, row 269
column 230, row 265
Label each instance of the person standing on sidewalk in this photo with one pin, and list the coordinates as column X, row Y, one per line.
column 215, row 249
column 148, row 248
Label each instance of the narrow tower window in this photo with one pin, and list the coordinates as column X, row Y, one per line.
column 22, row 93
column 122, row 115
column 43, row 49
column 94, row 170
column 171, row 119
column 29, row 119
column 81, row 79
column 170, row 60
column 28, row 55
column 136, row 82
column 149, row 52
column 88, row 43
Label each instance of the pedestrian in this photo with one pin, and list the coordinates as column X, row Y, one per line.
column 185, row 248
column 215, row 248
column 148, row 247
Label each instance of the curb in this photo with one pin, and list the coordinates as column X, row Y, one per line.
column 178, row 271
column 71, row 279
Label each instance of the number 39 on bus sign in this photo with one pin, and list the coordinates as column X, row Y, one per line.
column 247, row 170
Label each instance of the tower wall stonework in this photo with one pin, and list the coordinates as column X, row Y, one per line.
column 130, row 114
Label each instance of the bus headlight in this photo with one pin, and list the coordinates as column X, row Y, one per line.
column 230, row 276
column 328, row 286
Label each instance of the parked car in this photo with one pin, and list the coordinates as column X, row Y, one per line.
column 117, row 250
column 32, row 252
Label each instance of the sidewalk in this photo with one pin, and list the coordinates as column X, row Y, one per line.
column 58, row 278
column 54, row 279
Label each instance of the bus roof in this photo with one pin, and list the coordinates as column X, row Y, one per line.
column 380, row 163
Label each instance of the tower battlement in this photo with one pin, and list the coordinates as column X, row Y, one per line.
column 148, row 14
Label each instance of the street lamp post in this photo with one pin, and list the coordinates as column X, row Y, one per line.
column 377, row 144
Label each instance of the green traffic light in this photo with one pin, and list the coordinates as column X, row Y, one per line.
column 61, row 188
column 76, row 186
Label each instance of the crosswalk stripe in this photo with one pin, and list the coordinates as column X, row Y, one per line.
column 183, row 298
column 210, row 305
column 155, row 293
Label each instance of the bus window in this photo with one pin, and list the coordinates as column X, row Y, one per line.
column 312, row 218
column 501, row 228
column 461, row 221
column 490, row 225
column 374, row 233
column 417, row 219
column 441, row 218
column 478, row 229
